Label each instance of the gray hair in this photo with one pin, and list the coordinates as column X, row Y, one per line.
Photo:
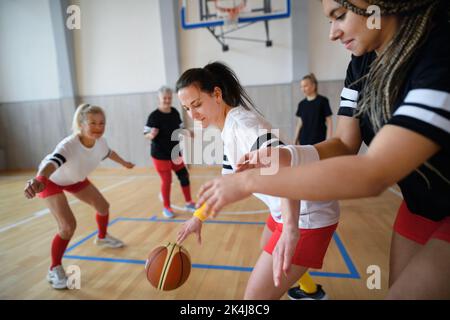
column 165, row 89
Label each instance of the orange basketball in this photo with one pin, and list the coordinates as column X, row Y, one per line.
column 168, row 267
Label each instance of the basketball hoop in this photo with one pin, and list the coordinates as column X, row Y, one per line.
column 230, row 10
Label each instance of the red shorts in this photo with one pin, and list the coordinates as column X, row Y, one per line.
column 52, row 188
column 420, row 229
column 311, row 247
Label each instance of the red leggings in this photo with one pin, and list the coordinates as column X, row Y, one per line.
column 164, row 168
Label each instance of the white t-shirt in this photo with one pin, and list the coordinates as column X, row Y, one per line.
column 74, row 161
column 246, row 131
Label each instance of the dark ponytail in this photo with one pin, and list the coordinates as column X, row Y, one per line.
column 217, row 74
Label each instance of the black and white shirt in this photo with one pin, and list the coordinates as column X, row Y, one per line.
column 423, row 107
column 73, row 161
column 246, row 131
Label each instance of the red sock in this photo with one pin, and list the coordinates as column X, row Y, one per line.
column 59, row 245
column 102, row 222
column 187, row 193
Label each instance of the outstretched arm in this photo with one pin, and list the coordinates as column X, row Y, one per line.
column 393, row 154
column 116, row 158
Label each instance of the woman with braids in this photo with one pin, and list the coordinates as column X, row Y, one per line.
column 66, row 169
column 214, row 96
column 396, row 99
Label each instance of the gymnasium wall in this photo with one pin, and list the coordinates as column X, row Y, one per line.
column 32, row 117
column 327, row 59
column 119, row 63
column 118, row 49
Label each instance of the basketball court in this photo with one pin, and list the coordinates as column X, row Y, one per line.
column 220, row 266
column 58, row 54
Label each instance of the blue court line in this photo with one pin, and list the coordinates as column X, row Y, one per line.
column 142, row 262
column 89, row 236
column 353, row 273
column 348, row 261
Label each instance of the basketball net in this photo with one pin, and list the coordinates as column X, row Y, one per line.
column 230, row 10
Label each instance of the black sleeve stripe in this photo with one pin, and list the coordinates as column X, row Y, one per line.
column 60, row 157
column 107, row 155
column 265, row 138
column 275, row 143
column 227, row 166
column 57, row 161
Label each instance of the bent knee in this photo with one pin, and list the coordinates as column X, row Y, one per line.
column 102, row 207
column 67, row 229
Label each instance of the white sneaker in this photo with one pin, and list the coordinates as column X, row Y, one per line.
column 109, row 242
column 57, row 277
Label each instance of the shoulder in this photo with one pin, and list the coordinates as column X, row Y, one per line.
column 69, row 141
column 154, row 113
column 358, row 67
column 102, row 141
column 322, row 98
column 432, row 64
column 175, row 111
column 246, row 119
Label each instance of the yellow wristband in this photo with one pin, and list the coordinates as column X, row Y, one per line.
column 199, row 213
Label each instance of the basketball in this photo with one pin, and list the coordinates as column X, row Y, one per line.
column 168, row 267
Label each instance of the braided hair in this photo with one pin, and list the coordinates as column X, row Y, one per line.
column 388, row 72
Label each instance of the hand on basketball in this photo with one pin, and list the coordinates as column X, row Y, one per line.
column 33, row 186
column 193, row 225
column 283, row 253
column 221, row 191
column 128, row 165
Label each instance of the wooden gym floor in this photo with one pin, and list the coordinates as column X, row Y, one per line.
column 221, row 264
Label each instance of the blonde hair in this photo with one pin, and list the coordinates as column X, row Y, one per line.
column 81, row 115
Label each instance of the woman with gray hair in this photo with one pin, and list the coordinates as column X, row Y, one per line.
column 397, row 100
column 159, row 129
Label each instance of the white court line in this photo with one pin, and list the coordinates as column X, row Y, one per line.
column 44, row 212
column 118, row 176
column 221, row 212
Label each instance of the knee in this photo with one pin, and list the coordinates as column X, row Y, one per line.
column 67, row 229
column 102, row 207
column 183, row 176
column 166, row 177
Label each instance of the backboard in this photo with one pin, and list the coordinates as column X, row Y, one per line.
column 205, row 13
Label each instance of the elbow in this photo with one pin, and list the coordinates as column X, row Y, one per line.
column 376, row 186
